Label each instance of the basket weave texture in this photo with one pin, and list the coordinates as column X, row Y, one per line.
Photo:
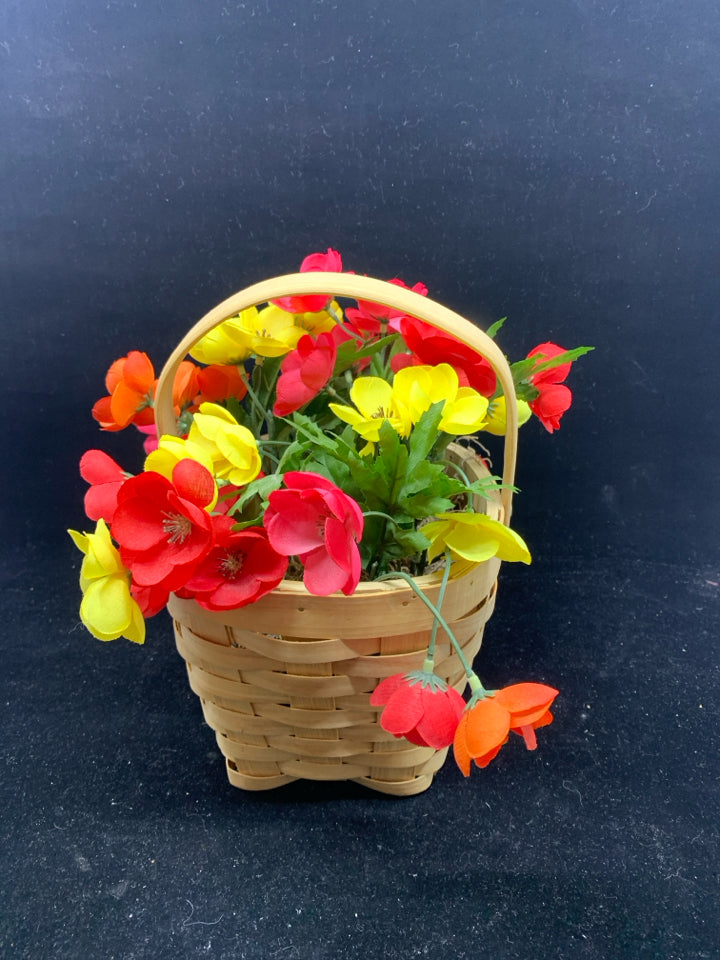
column 297, row 704
column 285, row 682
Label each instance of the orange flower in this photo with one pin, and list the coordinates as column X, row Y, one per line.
column 186, row 387
column 219, row 381
column 130, row 383
column 485, row 725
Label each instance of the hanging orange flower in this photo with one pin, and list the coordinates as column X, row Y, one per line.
column 485, row 725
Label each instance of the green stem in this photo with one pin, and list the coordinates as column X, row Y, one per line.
column 469, row 673
column 338, row 321
column 254, row 399
column 441, row 597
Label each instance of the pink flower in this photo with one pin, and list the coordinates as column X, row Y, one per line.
column 240, row 568
column 315, row 521
column 313, row 303
column 105, row 477
column 420, row 707
column 554, row 397
column 432, row 346
column 304, row 372
column 372, row 319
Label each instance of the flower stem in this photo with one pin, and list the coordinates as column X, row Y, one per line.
column 441, row 597
column 469, row 673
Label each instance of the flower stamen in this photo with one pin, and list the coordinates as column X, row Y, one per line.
column 177, row 527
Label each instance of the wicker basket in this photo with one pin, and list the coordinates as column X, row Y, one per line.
column 285, row 682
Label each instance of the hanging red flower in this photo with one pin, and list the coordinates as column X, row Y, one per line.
column 554, row 398
column 304, row 372
column 240, row 568
column 315, row 521
column 161, row 526
column 484, row 727
column 420, row 707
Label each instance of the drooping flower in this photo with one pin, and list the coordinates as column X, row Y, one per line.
column 419, row 706
column 314, row 520
column 107, row 609
column 485, row 725
column 554, row 398
column 474, row 537
column 231, row 447
column 105, row 477
column 375, row 402
column 313, row 303
column 240, row 568
column 428, row 345
column 416, row 389
column 496, row 422
column 130, row 383
column 304, row 372
column 162, row 526
column 373, row 319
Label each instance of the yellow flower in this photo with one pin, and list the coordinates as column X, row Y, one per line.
column 474, row 537
column 418, row 388
column 171, row 450
column 231, row 342
column 231, row 447
column 107, row 609
column 320, row 322
column 375, row 402
column 497, row 416
column 272, row 332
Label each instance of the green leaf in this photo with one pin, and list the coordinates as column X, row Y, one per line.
column 348, row 352
column 522, row 369
column 262, row 488
column 492, row 330
column 424, row 435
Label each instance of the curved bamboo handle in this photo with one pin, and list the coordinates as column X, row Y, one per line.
column 356, row 287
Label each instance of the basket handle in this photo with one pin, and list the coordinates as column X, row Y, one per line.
column 356, row 287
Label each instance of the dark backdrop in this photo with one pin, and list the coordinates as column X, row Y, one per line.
column 553, row 162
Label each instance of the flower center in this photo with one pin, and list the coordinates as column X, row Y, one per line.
column 177, row 527
column 382, row 413
column 231, row 565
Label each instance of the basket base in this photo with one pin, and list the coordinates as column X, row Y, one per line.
column 400, row 788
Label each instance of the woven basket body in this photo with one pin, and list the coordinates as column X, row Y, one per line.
column 285, row 682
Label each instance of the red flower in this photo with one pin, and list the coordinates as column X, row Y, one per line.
column 420, row 707
column 130, row 383
column 315, row 521
column 484, row 727
column 554, row 397
column 432, row 346
column 105, row 477
column 162, row 527
column 372, row 319
column 240, row 568
column 320, row 262
column 304, row 372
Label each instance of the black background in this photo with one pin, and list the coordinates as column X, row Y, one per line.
column 556, row 163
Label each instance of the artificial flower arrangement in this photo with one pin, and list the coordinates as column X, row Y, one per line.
column 313, row 445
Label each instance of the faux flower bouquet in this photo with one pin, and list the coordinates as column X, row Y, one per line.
column 313, row 445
